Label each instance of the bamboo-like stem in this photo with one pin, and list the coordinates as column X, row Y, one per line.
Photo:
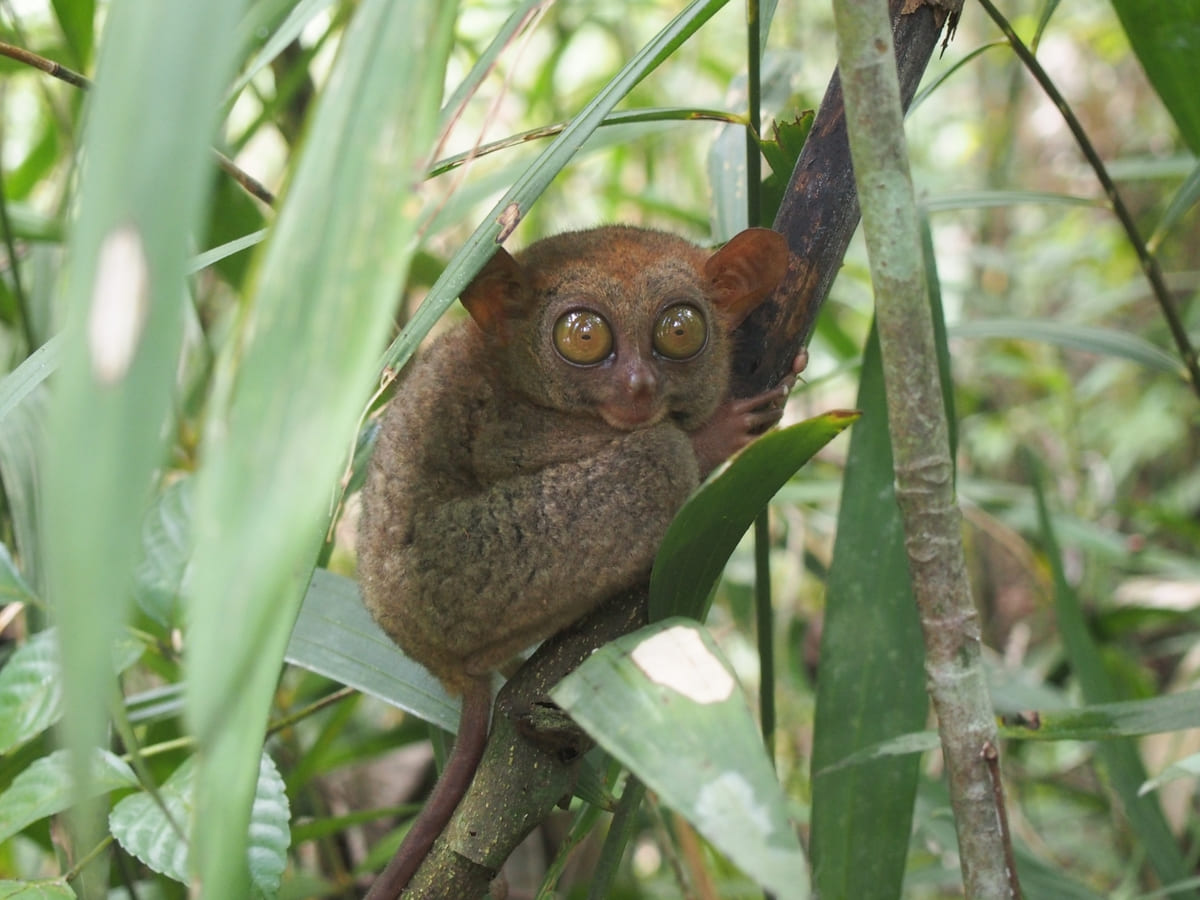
column 920, row 441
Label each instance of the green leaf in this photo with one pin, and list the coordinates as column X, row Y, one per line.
column 1188, row 767
column 289, row 30
column 44, row 788
column 1106, row 721
column 139, row 206
column 992, row 199
column 224, row 251
column 31, row 685
column 36, row 890
column 336, row 637
column 871, row 682
column 22, row 455
column 143, row 828
column 166, row 542
column 77, row 18
column 664, row 702
column 290, row 388
column 13, row 587
column 708, row 528
column 30, row 225
column 30, row 691
column 1074, row 336
column 1165, row 35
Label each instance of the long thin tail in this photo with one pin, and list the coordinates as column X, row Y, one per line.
column 456, row 778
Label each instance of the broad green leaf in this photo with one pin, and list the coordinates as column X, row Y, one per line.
column 143, row 828
column 663, row 701
column 336, row 637
column 1074, row 336
column 36, row 890
column 1165, row 35
column 45, row 788
column 871, row 683
column 31, row 685
column 289, row 391
column 30, row 691
column 1120, row 758
column 139, row 205
column 13, row 587
column 706, row 531
column 166, row 543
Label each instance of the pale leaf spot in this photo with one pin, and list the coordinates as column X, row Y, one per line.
column 678, row 659
column 120, row 302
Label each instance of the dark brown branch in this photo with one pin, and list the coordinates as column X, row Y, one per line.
column 530, row 763
column 250, row 184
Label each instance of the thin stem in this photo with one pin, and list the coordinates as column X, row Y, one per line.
column 304, row 712
column 765, row 617
column 754, row 89
column 1148, row 260
column 620, row 830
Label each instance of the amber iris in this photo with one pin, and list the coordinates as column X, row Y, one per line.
column 680, row 332
column 583, row 337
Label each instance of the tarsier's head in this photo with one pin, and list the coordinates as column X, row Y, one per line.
column 626, row 323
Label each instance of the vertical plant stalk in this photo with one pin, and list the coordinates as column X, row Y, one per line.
column 920, row 441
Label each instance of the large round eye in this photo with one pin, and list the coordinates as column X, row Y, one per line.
column 582, row 337
column 680, row 332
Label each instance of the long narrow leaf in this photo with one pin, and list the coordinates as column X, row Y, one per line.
column 140, row 203
column 871, row 684
column 290, row 392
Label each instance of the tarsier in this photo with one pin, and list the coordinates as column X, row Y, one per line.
column 534, row 457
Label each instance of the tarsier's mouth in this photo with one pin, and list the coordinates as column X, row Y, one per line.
column 627, row 418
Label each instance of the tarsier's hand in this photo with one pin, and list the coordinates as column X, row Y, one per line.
column 736, row 423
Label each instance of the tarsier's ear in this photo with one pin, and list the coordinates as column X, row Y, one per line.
column 745, row 270
column 496, row 295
